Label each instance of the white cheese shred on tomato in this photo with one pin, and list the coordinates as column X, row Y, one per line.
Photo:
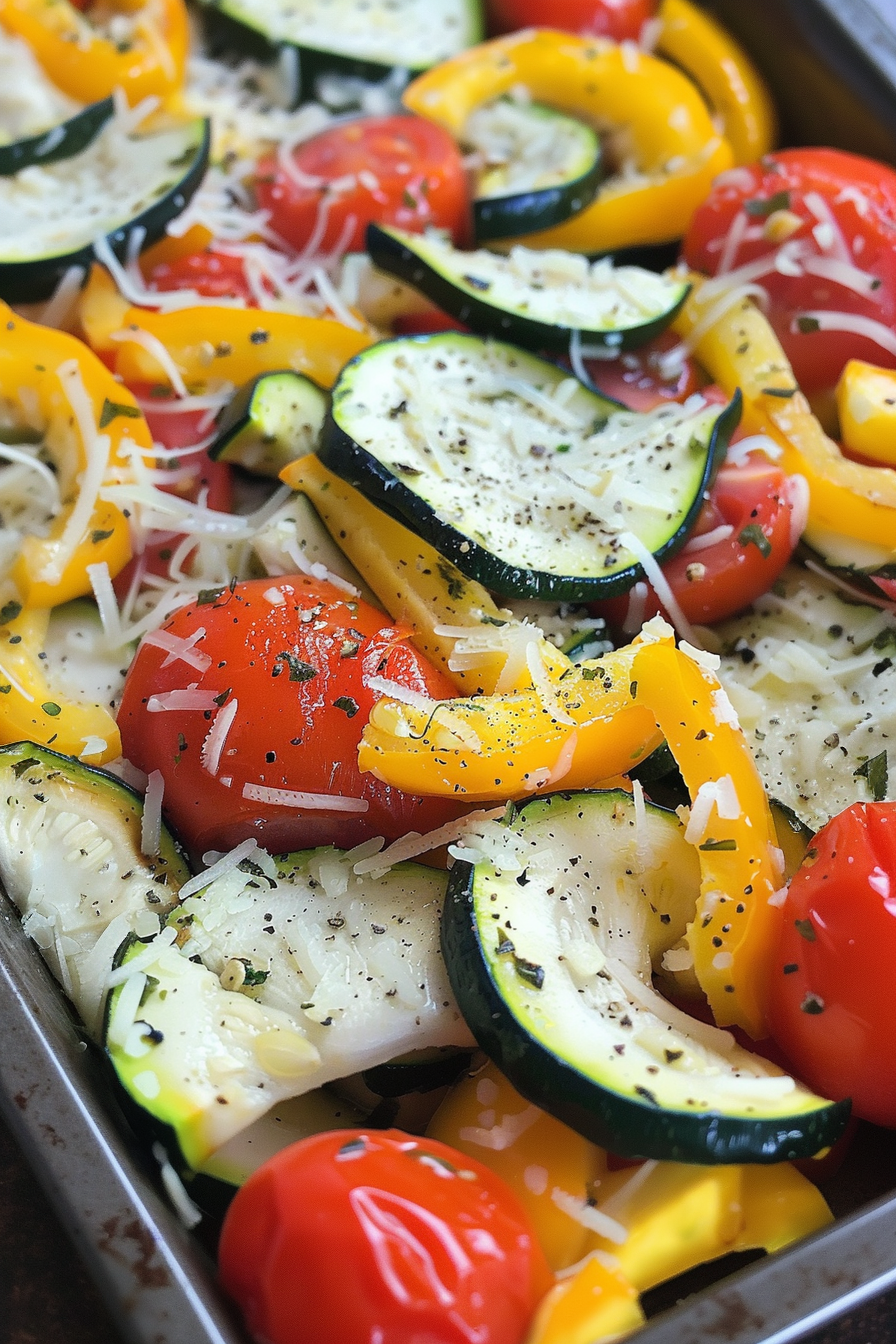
column 325, row 802
column 151, row 821
column 191, row 697
column 216, row 738
column 180, row 650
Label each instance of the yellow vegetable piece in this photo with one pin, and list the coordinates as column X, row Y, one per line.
column 866, row 407
column 545, row 1163
column 31, row 710
column 87, row 65
column 596, row 1303
column 231, row 344
column 53, row 386
column 739, row 349
column 101, row 311
column 653, row 110
column 780, row 1205
column 722, row 69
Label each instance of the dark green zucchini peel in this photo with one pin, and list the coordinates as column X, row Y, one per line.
column 272, row 420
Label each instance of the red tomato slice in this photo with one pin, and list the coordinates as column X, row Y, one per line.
column 638, row 378
column 832, row 1004
column 364, row 1236
column 213, row 274
column 295, row 657
column 619, row 19
column 750, row 515
column 829, row 218
column 394, row 170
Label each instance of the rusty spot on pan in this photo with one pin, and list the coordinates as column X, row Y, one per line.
column 139, row 1256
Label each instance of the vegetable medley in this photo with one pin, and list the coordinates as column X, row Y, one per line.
column 447, row 613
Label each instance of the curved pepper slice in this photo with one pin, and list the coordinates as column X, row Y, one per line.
column 722, row 69
column 53, row 385
column 87, row 65
column 660, row 121
column 740, row 349
column 866, row 410
column 231, row 344
column 32, row 711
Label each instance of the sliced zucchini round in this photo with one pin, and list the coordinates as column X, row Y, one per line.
column 813, row 679
column 272, row 420
column 525, row 479
column 358, row 37
column 548, row 938
column 50, row 215
column 537, row 299
column 71, row 862
column 60, row 142
column 859, row 562
column 539, row 167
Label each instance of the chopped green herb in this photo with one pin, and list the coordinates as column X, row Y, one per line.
column 876, row 773
column 716, row 845
column 101, row 534
column 529, row 971
column 206, row 596
column 805, row 929
column 51, row 708
column 754, row 535
column 346, row 703
column 298, row 671
column 9, row 611
column 761, row 209
column 113, row 409
column 807, row 324
column 21, row 766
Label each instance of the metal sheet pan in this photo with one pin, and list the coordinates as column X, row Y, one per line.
column 832, row 67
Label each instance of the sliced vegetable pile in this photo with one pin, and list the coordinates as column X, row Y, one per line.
column 446, row 658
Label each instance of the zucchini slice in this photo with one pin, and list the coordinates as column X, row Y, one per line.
column 512, row 469
column 60, row 142
column 537, row 299
column 271, row 421
column 280, row 977
column 539, row 167
column 813, row 680
column 119, row 182
column 70, row 860
column 548, row 935
column 856, row 561
column 359, row 37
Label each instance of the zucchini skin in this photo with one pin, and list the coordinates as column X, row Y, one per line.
column 500, row 218
column 626, row 1127
column 394, row 255
column 340, row 454
column 24, row 281
column 60, row 142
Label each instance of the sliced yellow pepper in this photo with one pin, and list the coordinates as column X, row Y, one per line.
column 232, row 344
column 596, row 1303
column 101, row 310
column 659, row 122
column 722, row 69
column 739, row 349
column 87, row 65
column 866, row 407
column 53, row 385
column 33, row 711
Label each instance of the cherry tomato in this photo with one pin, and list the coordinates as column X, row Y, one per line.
column 825, row 220
column 638, row 378
column 282, row 703
column 832, row 1005
column 620, row 19
column 754, row 504
column 376, row 1237
column 211, row 273
column 394, row 170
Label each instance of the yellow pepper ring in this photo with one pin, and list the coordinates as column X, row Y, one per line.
column 661, row 129
column 721, row 68
column 88, row 66
column 233, row 345
column 52, row 385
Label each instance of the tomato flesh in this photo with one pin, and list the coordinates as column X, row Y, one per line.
column 832, row 1006
column 393, row 170
column 211, row 273
column 622, row 20
column 367, row 1236
column 834, row 216
column 639, row 378
column 296, row 656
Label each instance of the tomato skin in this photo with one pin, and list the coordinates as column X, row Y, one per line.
column 211, row 273
column 407, row 171
column 298, row 723
column 620, row 19
column 861, row 196
column 717, row 581
column 832, row 1007
column 638, row 380
column 396, row 1239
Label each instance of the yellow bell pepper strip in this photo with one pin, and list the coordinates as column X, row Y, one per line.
column 55, row 386
column 33, row 711
column 866, row 408
column 735, row 929
column 572, row 733
column 596, row 1303
column 721, row 68
column 101, row 310
column 653, row 110
column 413, row 581
column 88, row 65
column 779, row 1205
column 549, row 1167
column 209, row 343
column 739, row 349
